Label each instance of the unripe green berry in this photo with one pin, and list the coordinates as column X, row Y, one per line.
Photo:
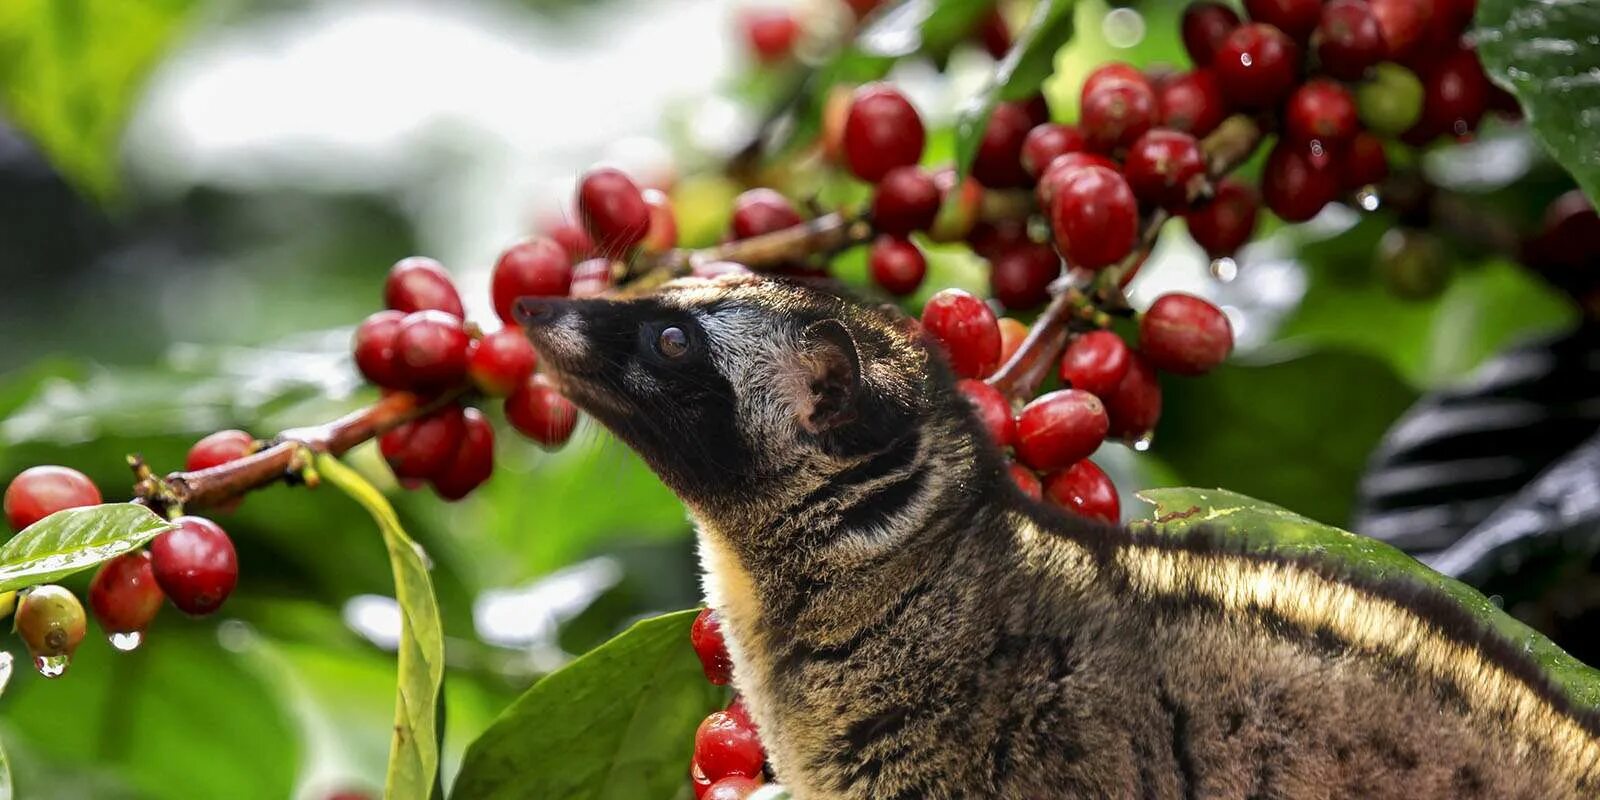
column 1391, row 102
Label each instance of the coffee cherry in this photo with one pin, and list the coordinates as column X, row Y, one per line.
column 1110, row 73
column 958, row 207
column 988, row 239
column 1095, row 362
column 572, row 238
column 663, row 233
column 760, row 211
column 1184, row 334
column 998, row 162
column 896, row 265
column 1402, row 23
column 967, row 330
column 733, row 787
column 1086, row 490
column 531, row 268
column 698, row 780
column 992, row 410
column 473, row 461
column 881, row 132
column 1026, row 480
column 195, row 565
column 1455, row 95
column 124, row 594
column 432, row 349
column 1348, row 40
column 1224, row 223
column 1294, row 17
column 1047, row 142
column 1293, row 186
column 1012, row 333
column 1568, row 239
column 1165, row 168
column 1117, row 111
column 51, row 622
column 705, row 635
column 38, row 492
column 417, row 284
column 1322, row 111
column 375, row 351
column 1205, row 25
column 1063, row 166
column 1364, row 162
column 1257, row 65
column 1135, row 405
column 771, row 32
column 540, row 413
column 723, row 746
column 500, row 361
column 1391, row 102
column 593, row 277
column 1059, row 428
column 423, row 447
column 906, row 200
column 1413, row 264
column 993, row 34
column 1020, row 276
column 613, row 210
column 1094, row 216
column 219, row 448
column 1191, row 102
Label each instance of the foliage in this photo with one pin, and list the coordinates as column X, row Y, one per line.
column 1019, row 75
column 75, row 539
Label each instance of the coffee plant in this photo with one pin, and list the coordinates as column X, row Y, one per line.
column 1015, row 233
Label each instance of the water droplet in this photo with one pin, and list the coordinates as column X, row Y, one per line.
column 127, row 642
column 1224, row 269
column 1368, row 199
column 1123, row 27
column 1143, row 443
column 1246, row 59
column 52, row 666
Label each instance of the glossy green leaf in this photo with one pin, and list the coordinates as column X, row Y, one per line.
column 418, row 725
column 1548, row 53
column 70, row 71
column 1019, row 75
column 1261, row 526
column 616, row 724
column 75, row 539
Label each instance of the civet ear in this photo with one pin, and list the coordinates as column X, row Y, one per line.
column 833, row 376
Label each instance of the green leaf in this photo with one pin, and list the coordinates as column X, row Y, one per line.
column 1295, row 431
column 1019, row 75
column 70, row 71
column 616, row 724
column 1547, row 52
column 1260, row 527
column 418, row 725
column 75, row 539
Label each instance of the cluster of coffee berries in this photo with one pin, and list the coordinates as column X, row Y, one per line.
column 193, row 565
column 729, row 761
column 1107, row 388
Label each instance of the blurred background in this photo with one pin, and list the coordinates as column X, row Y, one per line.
column 199, row 200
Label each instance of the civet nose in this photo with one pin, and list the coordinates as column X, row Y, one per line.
column 533, row 312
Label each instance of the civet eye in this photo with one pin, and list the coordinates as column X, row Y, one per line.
column 672, row 342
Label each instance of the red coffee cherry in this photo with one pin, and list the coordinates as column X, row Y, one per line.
column 705, row 636
column 663, row 233
column 531, row 268
column 1257, row 65
column 998, row 162
column 1109, row 73
column 896, row 265
column 882, row 131
column 500, row 361
column 423, row 447
column 966, row 328
column 1364, row 162
column 1049, row 141
column 1165, row 168
column 38, row 492
column 1063, row 166
column 473, row 461
column 1205, row 25
column 733, row 787
column 124, row 595
column 1117, row 111
column 1294, row 17
column 572, row 238
column 760, row 211
column 1086, row 490
column 1402, row 23
column 1135, row 405
column 593, row 277
column 540, row 413
column 1455, row 95
column 992, row 409
column 1184, row 334
column 219, row 448
column 1020, row 276
column 1348, row 40
column 1294, row 186
column 1321, row 111
column 724, row 746
column 1223, row 224
column 1095, row 362
column 906, row 200
column 432, row 349
column 994, row 34
column 988, row 239
column 1026, row 480
column 1567, row 246
column 417, row 284
column 375, row 351
column 771, row 32
column 1094, row 216
column 1191, row 102
column 613, row 210
column 1059, row 428
column 1012, row 333
column 51, row 622
column 195, row 565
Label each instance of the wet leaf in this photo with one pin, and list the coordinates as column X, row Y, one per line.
column 1019, row 75
column 75, row 539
